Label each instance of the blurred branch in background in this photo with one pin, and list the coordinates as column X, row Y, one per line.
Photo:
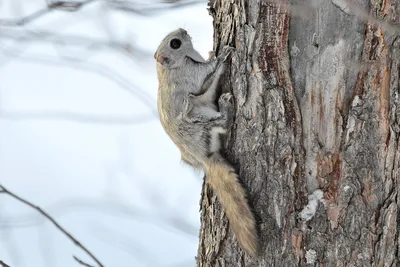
column 50, row 6
column 89, row 44
column 139, row 8
column 167, row 220
column 135, row 7
column 15, row 30
column 3, row 190
column 152, row 9
column 102, row 71
column 75, row 117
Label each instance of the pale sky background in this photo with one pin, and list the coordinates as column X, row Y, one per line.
column 79, row 136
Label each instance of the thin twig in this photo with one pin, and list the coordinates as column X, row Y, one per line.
column 3, row 264
column 81, row 262
column 73, row 239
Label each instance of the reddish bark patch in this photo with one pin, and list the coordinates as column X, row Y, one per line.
column 297, row 245
column 274, row 43
column 328, row 175
column 384, row 104
column 385, row 7
column 285, row 31
column 312, row 96
column 324, row 169
column 367, row 191
column 359, row 88
column 333, row 215
column 335, row 178
column 321, row 108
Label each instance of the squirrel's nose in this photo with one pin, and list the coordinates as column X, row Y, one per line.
column 160, row 59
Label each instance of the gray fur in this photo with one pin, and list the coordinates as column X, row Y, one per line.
column 186, row 95
column 187, row 110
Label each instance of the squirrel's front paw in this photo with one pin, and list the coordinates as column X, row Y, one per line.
column 226, row 108
column 226, row 98
column 225, row 103
column 226, row 52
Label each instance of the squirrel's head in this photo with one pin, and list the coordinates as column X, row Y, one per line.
column 175, row 48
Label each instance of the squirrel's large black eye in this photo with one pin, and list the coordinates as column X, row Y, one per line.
column 175, row 43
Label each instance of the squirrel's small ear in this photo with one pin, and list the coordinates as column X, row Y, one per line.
column 195, row 56
column 155, row 55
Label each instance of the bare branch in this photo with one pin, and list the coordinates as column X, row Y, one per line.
column 24, row 20
column 81, row 262
column 3, row 264
column 42, row 212
column 67, row 5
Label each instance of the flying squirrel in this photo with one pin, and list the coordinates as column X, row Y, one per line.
column 186, row 106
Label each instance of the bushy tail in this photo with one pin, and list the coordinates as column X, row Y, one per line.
column 224, row 182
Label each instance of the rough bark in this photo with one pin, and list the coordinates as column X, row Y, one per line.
column 317, row 106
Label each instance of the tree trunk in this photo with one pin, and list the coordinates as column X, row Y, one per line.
column 316, row 133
